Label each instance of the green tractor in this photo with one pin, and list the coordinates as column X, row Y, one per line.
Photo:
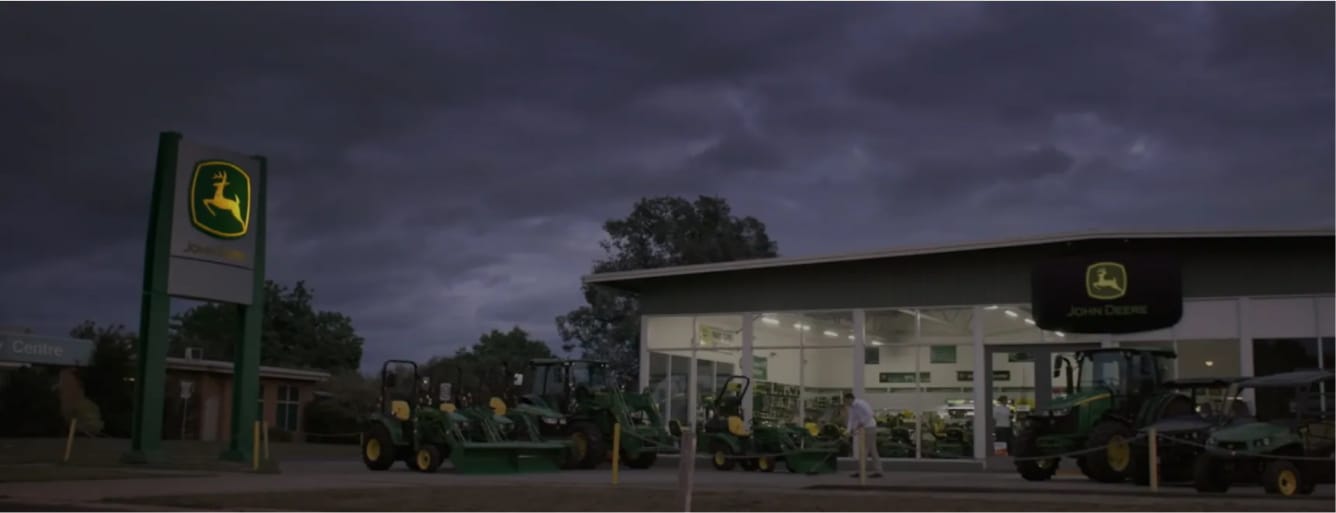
column 408, row 428
column 1289, row 450
column 1108, row 391
column 589, row 404
column 729, row 442
column 1181, row 436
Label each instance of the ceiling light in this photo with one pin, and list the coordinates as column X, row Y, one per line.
column 1029, row 321
column 770, row 320
column 1012, row 314
column 807, row 327
column 1059, row 333
column 829, row 333
column 876, row 342
column 851, row 337
column 990, row 307
column 797, row 325
column 1210, row 363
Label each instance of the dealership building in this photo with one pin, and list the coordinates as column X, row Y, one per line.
column 927, row 333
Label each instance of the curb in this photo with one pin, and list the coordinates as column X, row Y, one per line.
column 1170, row 494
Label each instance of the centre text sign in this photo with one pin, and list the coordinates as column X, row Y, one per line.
column 45, row 350
column 1107, row 293
column 212, row 235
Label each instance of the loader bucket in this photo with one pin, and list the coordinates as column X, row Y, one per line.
column 811, row 461
column 508, row 457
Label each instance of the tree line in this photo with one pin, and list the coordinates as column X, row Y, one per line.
column 658, row 232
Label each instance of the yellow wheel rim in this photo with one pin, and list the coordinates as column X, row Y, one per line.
column 1119, row 454
column 373, row 449
column 763, row 463
column 720, row 458
column 1287, row 482
column 424, row 459
column 581, row 446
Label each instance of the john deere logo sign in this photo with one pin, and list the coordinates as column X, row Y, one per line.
column 1095, row 295
column 1106, row 280
column 220, row 199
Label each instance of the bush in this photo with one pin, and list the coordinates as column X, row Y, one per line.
column 87, row 414
column 30, row 404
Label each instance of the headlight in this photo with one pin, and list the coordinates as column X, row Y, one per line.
column 1264, row 442
column 550, row 421
column 1060, row 413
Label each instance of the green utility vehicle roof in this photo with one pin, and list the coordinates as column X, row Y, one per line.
column 1203, row 382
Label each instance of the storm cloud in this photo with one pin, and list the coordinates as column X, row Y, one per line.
column 439, row 170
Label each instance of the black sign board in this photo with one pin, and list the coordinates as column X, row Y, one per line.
column 998, row 375
column 1113, row 293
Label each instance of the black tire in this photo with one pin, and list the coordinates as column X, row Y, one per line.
column 428, row 459
column 1032, row 469
column 788, row 466
column 643, row 460
column 1281, row 477
column 721, row 456
column 595, row 447
column 1112, row 464
column 378, row 450
column 1209, row 475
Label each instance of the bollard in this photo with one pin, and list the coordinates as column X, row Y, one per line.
column 686, row 467
column 862, row 462
column 1154, row 461
column 616, row 449
column 69, row 441
column 255, row 446
column 264, row 432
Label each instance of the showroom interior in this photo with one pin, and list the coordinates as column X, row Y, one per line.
column 899, row 328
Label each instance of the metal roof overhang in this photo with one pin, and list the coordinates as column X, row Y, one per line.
column 638, row 281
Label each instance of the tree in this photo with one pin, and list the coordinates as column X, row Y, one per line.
column 295, row 334
column 482, row 368
column 341, row 403
column 107, row 378
column 659, row 232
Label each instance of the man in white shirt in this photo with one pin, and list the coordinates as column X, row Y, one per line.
column 860, row 415
column 1002, row 421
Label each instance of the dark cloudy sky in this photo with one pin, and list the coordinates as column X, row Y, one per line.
column 438, row 170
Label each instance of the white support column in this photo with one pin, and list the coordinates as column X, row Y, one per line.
column 981, row 446
column 748, row 338
column 860, row 342
column 691, row 375
column 644, row 353
column 1243, row 308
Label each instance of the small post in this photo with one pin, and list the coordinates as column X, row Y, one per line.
column 1154, row 463
column 69, row 441
column 686, row 467
column 616, row 449
column 255, row 446
column 862, row 462
column 264, row 432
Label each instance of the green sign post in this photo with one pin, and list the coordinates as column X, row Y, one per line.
column 206, row 240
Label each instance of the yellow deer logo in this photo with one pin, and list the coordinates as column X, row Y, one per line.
column 232, row 204
column 220, row 199
column 1106, row 280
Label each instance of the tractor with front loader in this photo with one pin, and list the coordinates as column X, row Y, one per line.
column 407, row 427
column 730, row 442
column 584, row 393
column 1093, row 424
column 1180, row 436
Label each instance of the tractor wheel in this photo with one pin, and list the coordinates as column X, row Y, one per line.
column 589, row 447
column 721, row 456
column 1110, row 465
column 1032, row 469
column 378, row 451
column 428, row 459
column 1281, row 477
column 765, row 464
column 642, row 460
column 1209, row 475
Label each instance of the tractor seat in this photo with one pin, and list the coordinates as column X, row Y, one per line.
column 400, row 410
column 737, row 427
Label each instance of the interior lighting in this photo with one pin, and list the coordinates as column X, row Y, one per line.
column 829, row 333
column 770, row 320
column 990, row 307
column 876, row 342
column 1059, row 333
column 1012, row 314
column 1029, row 321
column 1210, row 363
